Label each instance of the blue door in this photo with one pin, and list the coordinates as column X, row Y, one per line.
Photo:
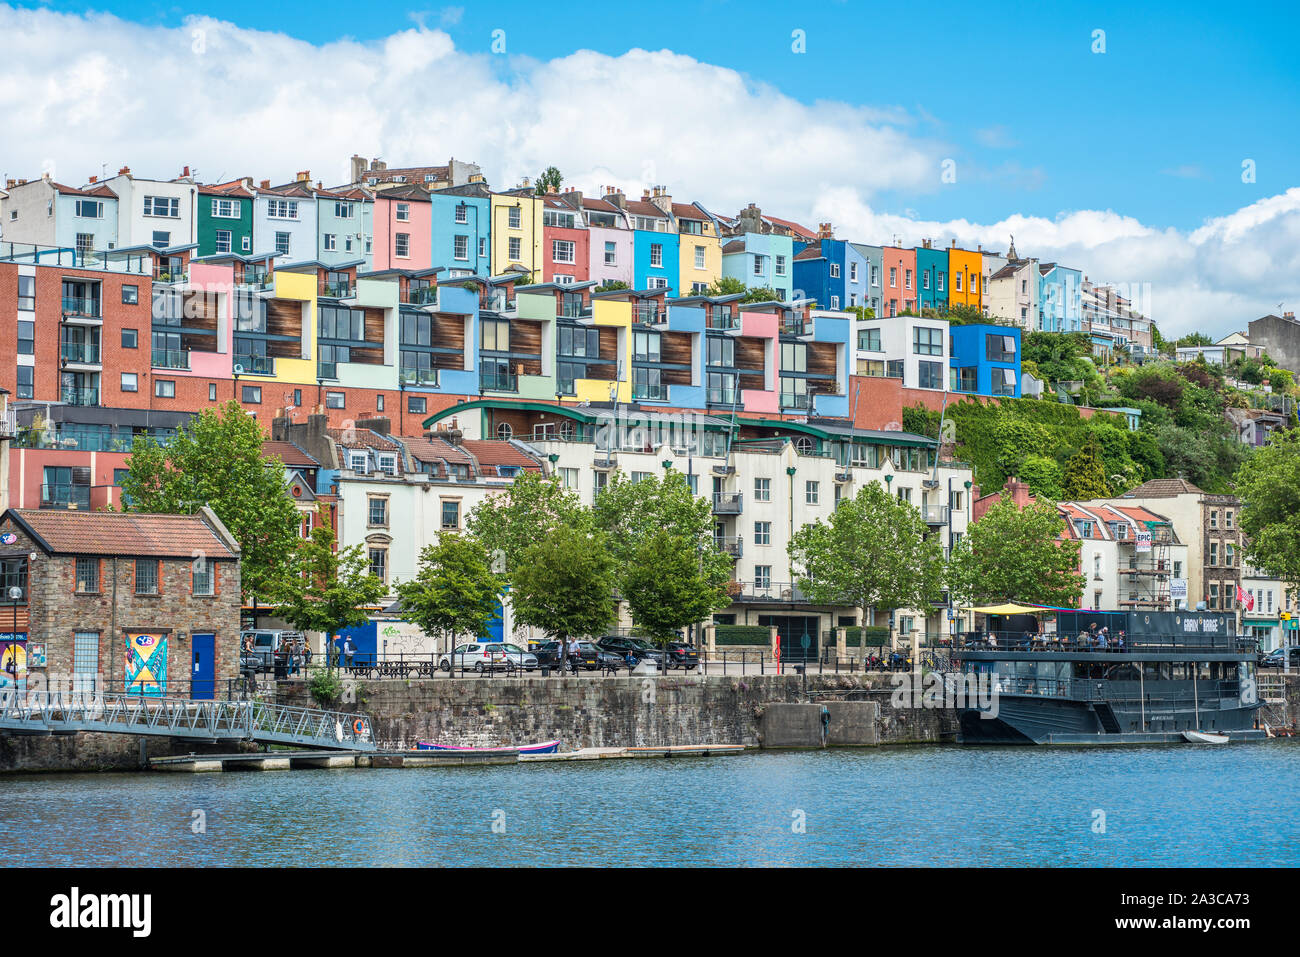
column 203, row 674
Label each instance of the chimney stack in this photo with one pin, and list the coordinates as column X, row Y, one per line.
column 265, row 184
column 10, row 183
column 124, row 171
column 304, row 176
column 185, row 172
column 94, row 180
column 824, row 231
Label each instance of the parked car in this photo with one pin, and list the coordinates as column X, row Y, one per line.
column 481, row 656
column 1277, row 658
column 639, row 647
column 682, row 655
column 522, row 659
column 605, row 658
column 551, row 654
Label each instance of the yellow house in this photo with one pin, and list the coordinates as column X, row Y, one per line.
column 700, row 251
column 293, row 362
column 516, row 231
column 616, row 314
column 965, row 277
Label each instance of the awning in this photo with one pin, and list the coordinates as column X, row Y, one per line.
column 1008, row 609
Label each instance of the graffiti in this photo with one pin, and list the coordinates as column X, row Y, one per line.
column 146, row 663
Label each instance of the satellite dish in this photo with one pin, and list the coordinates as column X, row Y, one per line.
column 239, row 368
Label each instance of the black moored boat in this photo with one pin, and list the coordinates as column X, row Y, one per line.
column 1147, row 679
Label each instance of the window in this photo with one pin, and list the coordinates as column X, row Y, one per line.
column 27, row 292
column 656, row 255
column 402, row 245
column 869, row 340
column 482, row 248
column 26, row 382
column 282, row 243
column 130, row 295
column 569, row 477
column 251, row 394
column 378, row 511
column 611, row 254
column 835, row 270
column 515, row 218
column 146, row 576
column 835, row 302
column 224, row 241
column 514, row 248
column 26, row 337
column 1227, row 519
column 330, row 243
column 169, row 206
column 762, row 577
column 87, row 576
column 956, row 282
column 164, row 388
column 212, row 392
column 1214, row 553
column 89, row 209
column 334, row 400
column 938, row 281
column 780, row 266
column 343, row 210
column 379, row 563
column 762, row 490
column 246, row 244
column 450, row 514
column 462, row 214
column 379, row 403
column 388, row 463
column 202, row 577
column 282, row 209
column 929, row 375
column 1228, row 555
column 699, row 257
column 1000, row 348
column 161, row 239
column 460, row 247
column 562, row 250
column 927, row 342
column 907, row 279
column 129, row 382
column 1004, row 381
column 893, row 277
column 416, row 404
column 762, row 533
column 811, row 492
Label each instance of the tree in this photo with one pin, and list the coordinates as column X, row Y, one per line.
column 668, row 586
column 1085, row 473
column 726, row 286
column 1268, row 484
column 609, row 285
column 325, row 589
column 508, row 523
column 1015, row 554
column 550, row 179
column 1042, row 475
column 564, row 583
column 454, row 591
column 874, row 552
column 1195, row 339
column 216, row 460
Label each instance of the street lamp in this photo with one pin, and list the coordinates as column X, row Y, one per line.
column 15, row 596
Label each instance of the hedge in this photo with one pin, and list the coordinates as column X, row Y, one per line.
column 874, row 635
column 741, row 635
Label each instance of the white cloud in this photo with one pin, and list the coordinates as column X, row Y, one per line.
column 95, row 91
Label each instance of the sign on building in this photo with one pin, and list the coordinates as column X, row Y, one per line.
column 1144, row 540
column 1178, row 589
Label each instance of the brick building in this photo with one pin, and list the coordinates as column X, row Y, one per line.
column 145, row 602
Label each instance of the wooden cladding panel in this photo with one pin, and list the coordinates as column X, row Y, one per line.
column 608, row 342
column 526, row 336
column 675, row 347
column 200, row 311
column 449, row 332
column 284, row 317
column 750, row 353
column 821, row 358
column 373, row 325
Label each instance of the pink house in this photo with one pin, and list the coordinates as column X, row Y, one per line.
column 214, row 285
column 897, row 281
column 759, row 330
column 403, row 229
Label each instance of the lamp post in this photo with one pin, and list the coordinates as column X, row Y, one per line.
column 15, row 596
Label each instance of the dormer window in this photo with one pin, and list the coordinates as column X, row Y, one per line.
column 357, row 462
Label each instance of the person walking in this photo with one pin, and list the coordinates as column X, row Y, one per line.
column 575, row 658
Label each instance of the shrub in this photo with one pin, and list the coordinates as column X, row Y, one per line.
column 325, row 687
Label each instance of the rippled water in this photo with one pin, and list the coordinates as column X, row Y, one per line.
column 1170, row 806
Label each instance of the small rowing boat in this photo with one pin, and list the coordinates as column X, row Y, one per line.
column 545, row 747
column 1204, row 737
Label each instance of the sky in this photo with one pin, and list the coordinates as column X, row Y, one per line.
column 1153, row 148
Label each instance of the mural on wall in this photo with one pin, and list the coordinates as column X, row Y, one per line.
column 13, row 661
column 146, row 663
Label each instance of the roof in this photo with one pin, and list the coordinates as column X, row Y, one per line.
column 417, row 193
column 301, row 190
column 89, row 191
column 289, row 455
column 493, row 452
column 1163, row 488
column 794, row 227
column 810, row 252
column 1007, row 271
column 642, row 207
column 689, row 211
column 363, row 438
column 64, row 532
column 436, row 450
column 233, row 188
column 409, row 172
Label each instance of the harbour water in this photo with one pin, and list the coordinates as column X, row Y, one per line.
column 946, row 805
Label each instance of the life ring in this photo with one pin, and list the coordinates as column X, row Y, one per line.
column 359, row 726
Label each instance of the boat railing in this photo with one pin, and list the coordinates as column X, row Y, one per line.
column 1039, row 641
column 1213, row 692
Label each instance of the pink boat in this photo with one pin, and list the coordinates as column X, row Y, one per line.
column 546, row 747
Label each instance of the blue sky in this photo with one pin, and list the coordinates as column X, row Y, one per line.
column 1157, row 127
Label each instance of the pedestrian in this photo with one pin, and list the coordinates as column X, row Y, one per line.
column 575, row 657
column 349, row 649
column 306, row 653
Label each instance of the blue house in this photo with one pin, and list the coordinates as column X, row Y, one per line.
column 822, row 273
column 866, row 286
column 461, row 230
column 932, row 281
column 1060, row 298
column 985, row 359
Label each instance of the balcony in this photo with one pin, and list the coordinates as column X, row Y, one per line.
column 171, row 359
column 572, row 310
column 727, row 504
column 86, row 353
column 723, row 397
column 336, row 290
column 79, row 396
column 165, row 273
column 721, row 319
column 649, row 314
column 422, row 296
column 733, row 545
column 796, row 327
column 765, row 591
column 258, row 281
column 65, row 496
column 420, row 377
column 86, row 308
column 498, row 303
column 935, row 514
column 653, row 393
column 498, row 382
column 327, row 370
column 801, row 401
column 254, row 365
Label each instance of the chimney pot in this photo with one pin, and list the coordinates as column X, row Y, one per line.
column 124, row 171
column 265, row 184
column 94, row 180
column 10, row 183
column 185, row 171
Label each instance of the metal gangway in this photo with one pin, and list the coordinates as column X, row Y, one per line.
column 67, row 712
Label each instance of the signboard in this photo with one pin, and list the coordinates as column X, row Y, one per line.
column 8, row 538
column 1144, row 540
column 146, row 662
column 1178, row 589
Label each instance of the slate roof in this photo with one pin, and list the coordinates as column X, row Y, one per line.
column 1163, row 488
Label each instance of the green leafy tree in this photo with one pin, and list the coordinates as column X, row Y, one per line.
column 453, row 592
column 609, row 285
column 531, row 506
column 1042, row 475
column 1015, row 554
column 325, row 588
column 1195, row 339
column 726, row 286
column 216, row 460
column 1085, row 473
column 550, row 179
column 1268, row 484
column 668, row 585
column 874, row 552
column 564, row 583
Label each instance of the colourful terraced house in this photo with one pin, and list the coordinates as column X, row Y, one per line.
column 761, row 260
column 284, row 220
column 1060, row 298
column 966, row 277
column 611, row 251
column 462, row 230
column 403, row 221
column 700, row 248
column 515, row 232
column 225, row 218
column 346, row 226
column 932, row 268
column 898, row 278
column 656, row 243
column 566, row 242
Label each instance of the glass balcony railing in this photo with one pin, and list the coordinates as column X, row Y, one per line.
column 652, row 392
column 796, row 327
column 79, row 396
column 791, row 400
column 573, row 310
column 258, row 280
column 86, row 352
column 336, row 290
column 651, row 315
column 722, row 319
column 164, row 272
column 425, row 377
column 499, row 382
column 65, row 496
column 499, row 303
column 81, row 306
column 723, row 396
column 255, row 365
column 327, row 370
column 728, row 503
column 171, row 358
column 426, row 296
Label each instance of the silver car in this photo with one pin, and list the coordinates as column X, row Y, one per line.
column 480, row 656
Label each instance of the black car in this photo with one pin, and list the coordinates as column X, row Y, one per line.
column 639, row 648
column 551, row 655
column 682, row 655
